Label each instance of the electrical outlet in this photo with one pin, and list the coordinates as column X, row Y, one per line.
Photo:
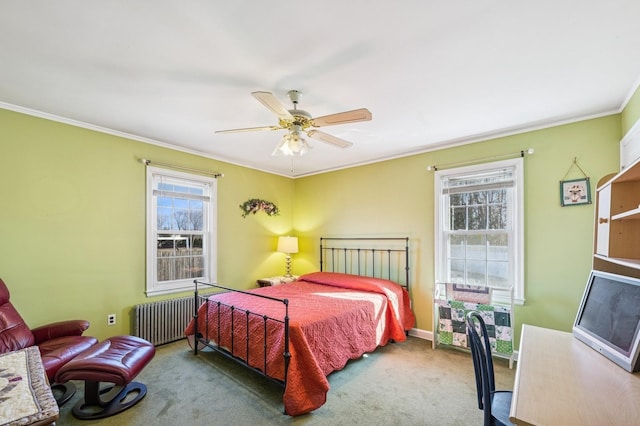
column 111, row 319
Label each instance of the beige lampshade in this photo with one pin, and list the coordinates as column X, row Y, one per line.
column 288, row 245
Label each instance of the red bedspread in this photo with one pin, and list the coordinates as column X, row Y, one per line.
column 333, row 318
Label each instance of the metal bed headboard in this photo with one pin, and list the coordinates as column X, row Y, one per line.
column 384, row 257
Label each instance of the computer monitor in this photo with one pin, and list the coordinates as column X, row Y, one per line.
column 608, row 319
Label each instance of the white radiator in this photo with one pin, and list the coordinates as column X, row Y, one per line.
column 163, row 322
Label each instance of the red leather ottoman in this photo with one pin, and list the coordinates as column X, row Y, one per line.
column 115, row 360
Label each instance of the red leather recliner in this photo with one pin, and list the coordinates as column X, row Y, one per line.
column 59, row 342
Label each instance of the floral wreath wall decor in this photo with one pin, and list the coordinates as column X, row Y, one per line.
column 254, row 205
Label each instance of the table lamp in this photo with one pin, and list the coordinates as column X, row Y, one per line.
column 288, row 245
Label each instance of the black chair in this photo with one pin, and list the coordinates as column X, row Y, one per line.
column 496, row 404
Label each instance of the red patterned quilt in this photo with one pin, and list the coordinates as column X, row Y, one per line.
column 333, row 318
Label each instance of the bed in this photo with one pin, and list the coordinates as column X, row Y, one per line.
column 296, row 334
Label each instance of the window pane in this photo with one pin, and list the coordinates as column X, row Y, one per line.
column 498, row 247
column 456, row 247
column 476, row 272
column 476, row 247
column 196, row 215
column 166, row 269
column 497, row 217
column 165, row 202
column 478, row 217
column 181, row 219
column 497, row 196
column 180, row 188
column 196, row 245
column 458, row 199
column 180, row 256
column 456, row 271
column 165, row 218
column 180, row 203
column 196, row 267
column 478, row 197
column 458, row 218
column 498, row 274
column 180, row 214
column 479, row 259
column 166, row 245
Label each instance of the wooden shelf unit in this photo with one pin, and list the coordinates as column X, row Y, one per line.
column 617, row 225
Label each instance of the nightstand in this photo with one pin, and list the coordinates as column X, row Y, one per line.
column 281, row 279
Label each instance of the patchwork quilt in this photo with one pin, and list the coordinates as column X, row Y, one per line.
column 452, row 326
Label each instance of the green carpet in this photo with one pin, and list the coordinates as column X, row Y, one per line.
column 404, row 383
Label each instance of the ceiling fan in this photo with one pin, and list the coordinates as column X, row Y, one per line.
column 297, row 121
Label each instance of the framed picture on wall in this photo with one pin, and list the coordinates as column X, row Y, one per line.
column 575, row 192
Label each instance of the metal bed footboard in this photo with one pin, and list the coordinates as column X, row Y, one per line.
column 200, row 336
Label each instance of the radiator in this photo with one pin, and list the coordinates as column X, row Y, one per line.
column 163, row 322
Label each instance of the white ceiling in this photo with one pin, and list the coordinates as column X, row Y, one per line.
column 432, row 73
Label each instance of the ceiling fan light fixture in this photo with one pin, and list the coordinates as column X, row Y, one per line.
column 292, row 144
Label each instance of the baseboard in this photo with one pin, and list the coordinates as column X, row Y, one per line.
column 422, row 334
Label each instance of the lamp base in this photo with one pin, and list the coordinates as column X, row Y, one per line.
column 287, row 261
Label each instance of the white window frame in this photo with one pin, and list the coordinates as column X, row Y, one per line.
column 516, row 232
column 153, row 287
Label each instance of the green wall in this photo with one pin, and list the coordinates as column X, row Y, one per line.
column 631, row 113
column 72, row 222
column 395, row 198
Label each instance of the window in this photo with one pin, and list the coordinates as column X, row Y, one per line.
column 479, row 225
column 181, row 211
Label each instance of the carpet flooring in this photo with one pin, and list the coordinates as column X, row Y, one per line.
column 405, row 383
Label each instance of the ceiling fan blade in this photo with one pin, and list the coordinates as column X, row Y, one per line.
column 361, row 114
column 330, row 139
column 249, row 129
column 267, row 99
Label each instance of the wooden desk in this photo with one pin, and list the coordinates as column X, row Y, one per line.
column 562, row 381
